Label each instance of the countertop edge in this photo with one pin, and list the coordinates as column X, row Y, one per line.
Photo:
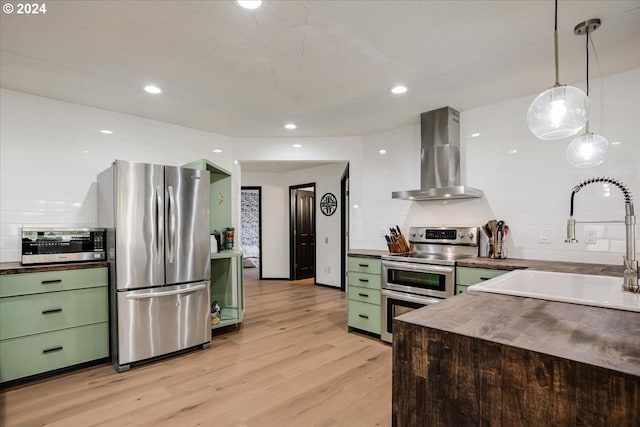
column 7, row 268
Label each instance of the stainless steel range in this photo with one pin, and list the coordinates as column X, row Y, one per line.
column 427, row 275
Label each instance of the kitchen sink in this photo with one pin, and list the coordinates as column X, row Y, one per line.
column 600, row 291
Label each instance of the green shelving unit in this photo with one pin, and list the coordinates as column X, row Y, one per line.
column 226, row 267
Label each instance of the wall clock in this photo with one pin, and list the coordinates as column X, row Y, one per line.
column 328, row 204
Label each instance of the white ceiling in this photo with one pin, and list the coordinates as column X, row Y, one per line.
column 327, row 65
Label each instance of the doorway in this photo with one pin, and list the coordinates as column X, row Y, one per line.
column 251, row 230
column 302, row 231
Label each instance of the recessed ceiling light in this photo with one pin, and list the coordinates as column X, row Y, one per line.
column 106, row 131
column 249, row 4
column 399, row 89
column 382, row 151
column 513, row 151
column 217, row 150
column 152, row 89
column 616, row 142
column 356, row 206
column 475, row 135
column 290, row 126
column 297, row 145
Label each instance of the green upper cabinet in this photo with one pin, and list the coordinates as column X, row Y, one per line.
column 220, row 193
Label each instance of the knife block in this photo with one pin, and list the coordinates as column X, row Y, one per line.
column 399, row 247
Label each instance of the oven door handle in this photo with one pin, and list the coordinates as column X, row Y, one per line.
column 402, row 296
column 409, row 266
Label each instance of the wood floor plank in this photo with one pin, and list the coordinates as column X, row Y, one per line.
column 291, row 363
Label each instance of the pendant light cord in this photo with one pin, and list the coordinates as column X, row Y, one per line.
column 555, row 44
column 586, row 129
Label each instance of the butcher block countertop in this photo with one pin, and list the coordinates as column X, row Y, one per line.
column 17, row 268
column 597, row 336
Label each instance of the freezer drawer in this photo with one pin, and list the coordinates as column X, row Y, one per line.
column 157, row 321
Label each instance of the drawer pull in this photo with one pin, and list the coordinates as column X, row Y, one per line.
column 364, row 295
column 364, row 280
column 51, row 350
column 53, row 310
column 48, row 282
column 485, row 278
column 364, row 316
column 364, row 265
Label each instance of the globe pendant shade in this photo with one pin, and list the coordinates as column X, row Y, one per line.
column 559, row 112
column 588, row 150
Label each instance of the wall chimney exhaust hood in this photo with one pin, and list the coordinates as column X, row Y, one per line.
column 439, row 159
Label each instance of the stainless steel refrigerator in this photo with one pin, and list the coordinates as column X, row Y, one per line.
column 157, row 221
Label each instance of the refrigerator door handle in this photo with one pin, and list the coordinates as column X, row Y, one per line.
column 159, row 223
column 147, row 295
column 172, row 223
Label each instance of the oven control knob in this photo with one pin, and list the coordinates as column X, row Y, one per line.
column 420, row 234
column 471, row 234
column 460, row 235
column 413, row 234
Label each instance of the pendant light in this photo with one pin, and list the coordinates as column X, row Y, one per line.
column 589, row 149
column 561, row 111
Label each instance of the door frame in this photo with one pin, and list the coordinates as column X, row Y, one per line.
column 292, row 239
column 259, row 189
column 344, row 226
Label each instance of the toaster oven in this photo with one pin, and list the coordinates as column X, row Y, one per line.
column 51, row 245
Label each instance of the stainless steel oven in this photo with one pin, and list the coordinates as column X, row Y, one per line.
column 427, row 275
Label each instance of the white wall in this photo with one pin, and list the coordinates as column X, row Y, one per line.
column 526, row 181
column 51, row 152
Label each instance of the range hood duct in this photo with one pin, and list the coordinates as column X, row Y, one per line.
column 439, row 159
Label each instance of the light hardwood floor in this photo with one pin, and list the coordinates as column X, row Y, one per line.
column 291, row 363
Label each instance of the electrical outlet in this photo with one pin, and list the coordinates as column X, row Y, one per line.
column 590, row 237
column 328, row 270
column 545, row 236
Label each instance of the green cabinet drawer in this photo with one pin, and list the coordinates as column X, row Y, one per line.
column 364, row 316
column 36, row 313
column 50, row 281
column 372, row 296
column 472, row 275
column 365, row 280
column 34, row 354
column 461, row 289
column 365, row 265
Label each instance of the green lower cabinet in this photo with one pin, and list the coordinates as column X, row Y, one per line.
column 467, row 276
column 365, row 316
column 51, row 311
column 35, row 354
column 51, row 320
column 364, row 280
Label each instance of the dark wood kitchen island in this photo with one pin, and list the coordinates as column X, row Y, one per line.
column 483, row 359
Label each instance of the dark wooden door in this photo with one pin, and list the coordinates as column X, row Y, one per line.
column 305, row 235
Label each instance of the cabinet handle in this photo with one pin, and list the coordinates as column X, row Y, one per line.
column 51, row 350
column 485, row 278
column 53, row 310
column 364, row 265
column 364, row 316
column 364, row 295
column 364, row 280
column 47, row 282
